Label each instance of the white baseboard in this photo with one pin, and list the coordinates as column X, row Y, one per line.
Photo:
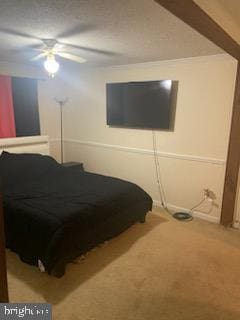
column 197, row 214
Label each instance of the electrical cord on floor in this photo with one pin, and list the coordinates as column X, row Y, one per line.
column 183, row 216
column 188, row 216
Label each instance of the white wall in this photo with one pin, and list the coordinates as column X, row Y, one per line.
column 20, row 70
column 191, row 158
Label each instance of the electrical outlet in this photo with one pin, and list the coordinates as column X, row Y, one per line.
column 206, row 193
column 209, row 195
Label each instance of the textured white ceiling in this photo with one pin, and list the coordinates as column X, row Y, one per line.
column 130, row 30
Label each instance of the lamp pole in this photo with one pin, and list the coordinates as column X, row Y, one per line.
column 61, row 102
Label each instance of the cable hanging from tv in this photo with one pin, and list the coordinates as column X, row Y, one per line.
column 183, row 216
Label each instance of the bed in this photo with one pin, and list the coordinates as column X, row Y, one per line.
column 53, row 214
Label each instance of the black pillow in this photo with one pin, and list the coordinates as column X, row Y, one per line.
column 19, row 168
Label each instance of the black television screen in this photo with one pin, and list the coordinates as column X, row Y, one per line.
column 147, row 104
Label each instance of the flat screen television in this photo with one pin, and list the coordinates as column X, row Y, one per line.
column 148, row 104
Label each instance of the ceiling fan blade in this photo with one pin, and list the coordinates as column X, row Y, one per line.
column 99, row 51
column 70, row 56
column 17, row 33
column 77, row 29
column 40, row 56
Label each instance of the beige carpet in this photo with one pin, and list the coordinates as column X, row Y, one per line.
column 163, row 269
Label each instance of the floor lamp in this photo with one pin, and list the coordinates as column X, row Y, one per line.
column 61, row 102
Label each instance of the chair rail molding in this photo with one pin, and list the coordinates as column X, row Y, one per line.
column 215, row 161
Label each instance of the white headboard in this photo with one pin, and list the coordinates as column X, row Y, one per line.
column 34, row 144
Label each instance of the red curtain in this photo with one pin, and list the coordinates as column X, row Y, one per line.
column 7, row 121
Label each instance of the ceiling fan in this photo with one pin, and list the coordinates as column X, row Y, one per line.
column 51, row 49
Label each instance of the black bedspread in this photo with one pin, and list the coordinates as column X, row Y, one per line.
column 49, row 216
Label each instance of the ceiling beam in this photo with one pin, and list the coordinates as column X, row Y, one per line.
column 233, row 160
column 189, row 12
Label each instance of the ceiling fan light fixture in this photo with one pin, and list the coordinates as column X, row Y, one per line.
column 51, row 65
